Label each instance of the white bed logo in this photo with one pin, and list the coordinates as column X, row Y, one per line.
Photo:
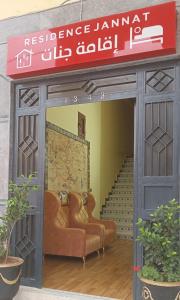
column 145, row 35
column 24, row 59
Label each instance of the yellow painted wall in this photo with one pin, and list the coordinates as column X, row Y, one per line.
column 116, row 140
column 12, row 8
column 67, row 117
column 109, row 129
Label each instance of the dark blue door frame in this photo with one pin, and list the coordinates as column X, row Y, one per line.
column 156, row 90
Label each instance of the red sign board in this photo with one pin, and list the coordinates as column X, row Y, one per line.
column 117, row 38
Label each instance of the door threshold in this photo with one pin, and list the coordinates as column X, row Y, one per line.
column 30, row 293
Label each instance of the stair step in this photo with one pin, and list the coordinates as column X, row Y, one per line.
column 127, row 166
column 125, row 177
column 121, row 183
column 117, row 205
column 122, row 194
column 125, row 228
column 119, row 189
column 119, row 202
column 125, row 236
column 129, row 223
column 114, row 216
column 130, row 158
column 126, row 174
column 124, row 185
column 118, row 220
column 118, row 210
column 124, row 188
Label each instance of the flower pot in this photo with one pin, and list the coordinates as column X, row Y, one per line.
column 154, row 290
column 10, row 274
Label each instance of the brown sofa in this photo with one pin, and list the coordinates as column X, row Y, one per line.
column 60, row 238
column 79, row 216
column 110, row 226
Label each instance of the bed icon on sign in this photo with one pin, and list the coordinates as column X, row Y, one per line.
column 140, row 35
column 24, row 59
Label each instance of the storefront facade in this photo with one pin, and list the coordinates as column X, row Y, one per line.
column 153, row 82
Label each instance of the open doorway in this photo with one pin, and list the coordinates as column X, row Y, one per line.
column 103, row 163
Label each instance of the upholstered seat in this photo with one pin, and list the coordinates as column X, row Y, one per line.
column 79, row 217
column 62, row 239
column 110, row 226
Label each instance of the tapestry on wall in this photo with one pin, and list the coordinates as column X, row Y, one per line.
column 67, row 161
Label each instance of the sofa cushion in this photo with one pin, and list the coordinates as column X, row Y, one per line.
column 92, row 242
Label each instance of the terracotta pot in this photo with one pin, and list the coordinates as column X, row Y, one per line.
column 10, row 274
column 154, row 290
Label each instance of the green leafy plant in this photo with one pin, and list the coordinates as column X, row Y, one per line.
column 16, row 209
column 160, row 237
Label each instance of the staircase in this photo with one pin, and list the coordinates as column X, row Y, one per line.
column 119, row 204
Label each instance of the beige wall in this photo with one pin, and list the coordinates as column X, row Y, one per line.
column 67, row 117
column 116, row 140
column 11, row 8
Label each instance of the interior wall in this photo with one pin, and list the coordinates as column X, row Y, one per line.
column 66, row 117
column 109, row 129
column 116, row 140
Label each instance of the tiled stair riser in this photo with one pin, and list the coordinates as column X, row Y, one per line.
column 119, row 205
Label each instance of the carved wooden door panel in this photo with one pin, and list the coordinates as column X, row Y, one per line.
column 28, row 158
column 157, row 166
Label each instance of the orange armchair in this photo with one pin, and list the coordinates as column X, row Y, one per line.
column 110, row 226
column 59, row 237
column 79, row 217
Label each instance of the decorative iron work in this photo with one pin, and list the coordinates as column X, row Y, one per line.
column 29, row 97
column 28, row 146
column 159, row 80
column 24, row 246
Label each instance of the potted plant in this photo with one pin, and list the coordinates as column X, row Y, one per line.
column 16, row 209
column 160, row 238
